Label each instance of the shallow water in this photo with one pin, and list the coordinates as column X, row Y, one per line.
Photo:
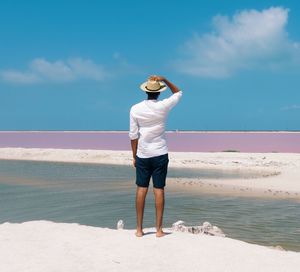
column 99, row 195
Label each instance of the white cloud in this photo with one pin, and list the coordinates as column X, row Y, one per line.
column 19, row 77
column 87, row 69
column 41, row 70
column 52, row 71
column 291, row 107
column 248, row 40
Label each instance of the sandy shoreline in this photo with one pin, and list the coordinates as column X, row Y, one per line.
column 279, row 172
column 47, row 246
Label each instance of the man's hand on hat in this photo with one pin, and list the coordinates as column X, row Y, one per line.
column 156, row 78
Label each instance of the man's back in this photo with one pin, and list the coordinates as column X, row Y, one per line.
column 147, row 123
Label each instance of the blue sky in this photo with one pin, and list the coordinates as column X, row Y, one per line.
column 77, row 65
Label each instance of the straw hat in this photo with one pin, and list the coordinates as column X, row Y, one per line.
column 153, row 86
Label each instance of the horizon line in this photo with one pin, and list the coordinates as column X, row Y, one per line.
column 167, row 131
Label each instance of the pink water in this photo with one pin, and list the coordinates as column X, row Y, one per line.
column 200, row 141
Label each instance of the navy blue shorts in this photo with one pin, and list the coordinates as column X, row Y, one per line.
column 155, row 167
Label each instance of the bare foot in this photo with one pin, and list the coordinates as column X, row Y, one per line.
column 160, row 233
column 139, row 233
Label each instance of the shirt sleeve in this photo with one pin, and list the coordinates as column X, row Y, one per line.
column 134, row 128
column 170, row 102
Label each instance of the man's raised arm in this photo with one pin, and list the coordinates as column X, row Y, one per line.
column 172, row 87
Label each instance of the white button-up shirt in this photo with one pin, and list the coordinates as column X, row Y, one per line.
column 147, row 123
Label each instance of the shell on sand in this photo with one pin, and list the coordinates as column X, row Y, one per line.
column 205, row 228
column 120, row 224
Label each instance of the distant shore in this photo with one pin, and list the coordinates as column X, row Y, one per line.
column 277, row 175
column 178, row 140
column 168, row 131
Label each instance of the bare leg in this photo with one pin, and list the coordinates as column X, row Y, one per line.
column 141, row 193
column 159, row 205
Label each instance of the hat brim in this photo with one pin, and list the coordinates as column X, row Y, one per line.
column 162, row 88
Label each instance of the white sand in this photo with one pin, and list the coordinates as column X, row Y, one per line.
column 46, row 246
column 279, row 172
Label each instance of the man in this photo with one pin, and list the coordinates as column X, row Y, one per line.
column 149, row 147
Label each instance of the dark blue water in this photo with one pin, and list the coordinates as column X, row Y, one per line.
column 100, row 195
